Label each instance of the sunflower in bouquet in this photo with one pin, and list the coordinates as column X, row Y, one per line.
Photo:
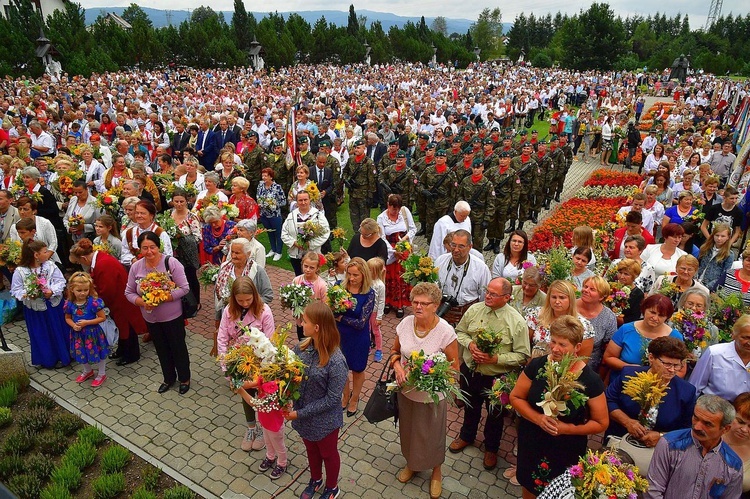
column 156, row 288
column 312, row 189
column 339, row 299
column 419, row 268
column 338, row 236
column 104, row 247
column 404, row 248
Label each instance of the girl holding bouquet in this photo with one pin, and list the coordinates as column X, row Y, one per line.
column 354, row 327
column 84, row 312
column 316, row 415
column 310, row 278
column 162, row 308
column 107, row 235
column 39, row 285
column 245, row 306
column 337, row 272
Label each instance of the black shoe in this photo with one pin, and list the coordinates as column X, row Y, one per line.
column 400, row 313
column 124, row 362
column 164, row 387
column 496, row 247
column 490, row 245
column 511, row 228
column 184, row 387
column 115, row 355
column 557, row 198
column 387, row 309
column 520, row 225
column 534, row 218
column 421, row 231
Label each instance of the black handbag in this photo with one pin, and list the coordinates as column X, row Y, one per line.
column 190, row 304
column 383, row 403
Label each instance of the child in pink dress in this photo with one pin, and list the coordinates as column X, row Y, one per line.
column 310, row 278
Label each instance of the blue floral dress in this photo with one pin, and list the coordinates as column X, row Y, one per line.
column 89, row 345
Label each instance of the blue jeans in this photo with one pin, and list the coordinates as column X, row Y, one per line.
column 273, row 224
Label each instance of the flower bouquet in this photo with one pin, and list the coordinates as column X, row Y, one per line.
column 696, row 217
column 668, row 288
column 338, row 235
column 563, row 387
column 726, row 309
column 168, row 225
column 403, row 247
column 163, row 181
column 207, row 274
column 694, row 328
column 419, row 268
column 76, row 222
column 312, row 189
column 34, row 286
column 488, row 341
column 108, row 203
column 115, row 191
column 156, row 288
column 271, row 365
column 64, row 185
column 339, row 299
column 104, row 247
column 647, row 389
column 598, row 475
column 229, row 211
column 555, row 264
column 499, row 393
column 204, row 203
column 189, row 188
column 10, row 253
column 434, row 375
column 618, row 298
column 308, row 231
column 267, row 203
column 295, row 297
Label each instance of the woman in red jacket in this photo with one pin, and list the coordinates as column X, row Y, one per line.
column 632, row 227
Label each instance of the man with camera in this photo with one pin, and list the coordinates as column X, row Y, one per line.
column 480, row 368
column 462, row 277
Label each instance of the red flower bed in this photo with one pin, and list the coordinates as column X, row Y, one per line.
column 613, row 178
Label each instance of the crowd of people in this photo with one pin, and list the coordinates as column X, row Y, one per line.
column 116, row 189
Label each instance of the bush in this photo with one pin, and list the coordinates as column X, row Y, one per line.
column 34, row 420
column 40, row 466
column 179, row 492
column 115, row 459
column 10, row 466
column 151, row 477
column 6, row 417
column 109, row 486
column 91, row 434
column 80, row 454
column 8, row 394
column 67, row 476
column 52, row 444
column 67, row 423
column 143, row 493
column 41, row 400
column 55, row 491
column 18, row 442
column 25, row 486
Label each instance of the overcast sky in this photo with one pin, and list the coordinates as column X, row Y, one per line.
column 465, row 9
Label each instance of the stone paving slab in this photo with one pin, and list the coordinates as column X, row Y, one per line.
column 196, row 437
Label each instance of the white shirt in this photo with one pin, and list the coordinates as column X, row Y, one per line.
column 200, row 182
column 465, row 284
column 43, row 140
column 388, row 227
column 501, row 268
column 652, row 255
column 45, row 232
column 445, row 225
column 127, row 258
column 95, row 173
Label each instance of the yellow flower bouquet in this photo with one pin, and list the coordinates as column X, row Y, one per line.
column 647, row 389
column 419, row 268
column 156, row 288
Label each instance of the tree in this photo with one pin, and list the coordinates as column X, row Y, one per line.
column 241, row 26
column 300, row 31
column 17, row 36
column 352, row 24
column 67, row 31
column 488, row 29
column 134, row 14
column 439, row 25
column 594, row 39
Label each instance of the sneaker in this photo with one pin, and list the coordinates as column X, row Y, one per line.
column 258, row 442
column 266, row 464
column 277, row 472
column 247, row 441
column 378, row 356
column 276, row 257
column 330, row 493
column 270, row 254
column 98, row 381
column 311, row 489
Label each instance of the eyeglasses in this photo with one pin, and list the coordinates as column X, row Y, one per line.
column 670, row 366
column 458, row 246
column 490, row 294
column 416, row 304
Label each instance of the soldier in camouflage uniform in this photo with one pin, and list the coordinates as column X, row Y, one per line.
column 455, row 154
column 399, row 179
column 506, row 187
column 568, row 155
column 522, row 139
column 306, row 157
column 335, row 166
column 546, row 172
column 507, row 145
column 558, row 163
column 359, row 177
column 420, row 150
column 528, row 172
column 462, row 169
column 479, row 192
column 254, row 159
column 389, row 158
column 489, row 158
column 419, row 166
column 438, row 186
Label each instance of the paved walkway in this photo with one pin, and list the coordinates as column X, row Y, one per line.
column 196, row 437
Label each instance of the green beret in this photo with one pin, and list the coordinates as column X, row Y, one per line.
column 476, row 140
column 527, row 144
column 477, row 163
column 488, row 141
column 457, row 140
column 251, row 133
column 468, row 150
column 505, row 154
column 424, row 136
column 394, row 142
column 327, row 143
column 277, row 143
column 401, row 154
column 432, row 145
column 448, row 132
column 523, row 132
column 441, row 152
column 358, row 142
column 303, row 140
column 534, row 131
column 542, row 142
column 553, row 137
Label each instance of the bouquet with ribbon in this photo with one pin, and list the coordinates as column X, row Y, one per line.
column 419, row 268
column 563, row 387
column 295, row 297
column 434, row 375
column 647, row 389
column 339, row 299
column 156, row 287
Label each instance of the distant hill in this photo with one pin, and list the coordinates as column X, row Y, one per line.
column 160, row 17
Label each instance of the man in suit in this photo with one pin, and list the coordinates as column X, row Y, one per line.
column 179, row 141
column 207, row 146
column 323, row 178
column 224, row 133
